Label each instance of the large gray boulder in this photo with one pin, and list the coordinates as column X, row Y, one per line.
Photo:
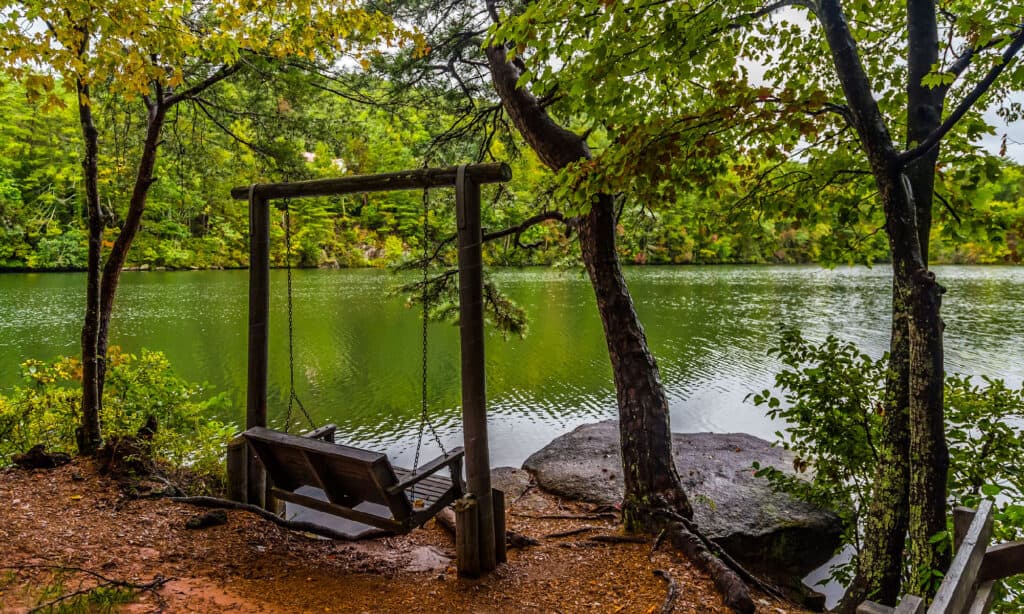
column 767, row 530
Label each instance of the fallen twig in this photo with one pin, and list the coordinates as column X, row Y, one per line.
column 570, row 532
column 152, row 587
column 620, row 539
column 657, row 543
column 673, row 591
column 446, row 520
column 528, row 488
column 600, row 516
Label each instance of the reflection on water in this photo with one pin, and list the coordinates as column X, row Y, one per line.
column 358, row 350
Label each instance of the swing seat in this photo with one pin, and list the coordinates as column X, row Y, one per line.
column 350, row 477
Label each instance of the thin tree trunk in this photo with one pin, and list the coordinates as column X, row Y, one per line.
column 929, row 456
column 88, row 432
column 905, row 193
column 133, row 221
column 887, row 517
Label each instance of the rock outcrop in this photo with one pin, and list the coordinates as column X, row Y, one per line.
column 766, row 530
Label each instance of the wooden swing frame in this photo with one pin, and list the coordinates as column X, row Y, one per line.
column 249, row 478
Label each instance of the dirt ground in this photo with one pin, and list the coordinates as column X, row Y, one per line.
column 71, row 517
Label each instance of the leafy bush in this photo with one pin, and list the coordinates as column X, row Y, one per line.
column 831, row 400
column 46, row 410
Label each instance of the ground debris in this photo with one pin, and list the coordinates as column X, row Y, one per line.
column 252, row 565
column 209, row 519
column 38, row 458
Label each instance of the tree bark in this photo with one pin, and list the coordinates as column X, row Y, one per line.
column 929, row 456
column 88, row 432
column 909, row 494
column 887, row 517
column 648, row 467
column 156, row 116
column 644, row 432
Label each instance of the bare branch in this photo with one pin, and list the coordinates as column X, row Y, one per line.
column 222, row 73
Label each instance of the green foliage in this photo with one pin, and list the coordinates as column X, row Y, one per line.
column 45, row 410
column 190, row 220
column 105, row 599
column 442, row 295
column 831, row 399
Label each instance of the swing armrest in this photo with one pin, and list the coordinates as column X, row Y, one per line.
column 454, row 460
column 325, row 432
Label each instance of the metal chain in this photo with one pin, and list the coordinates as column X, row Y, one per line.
column 293, row 397
column 424, row 301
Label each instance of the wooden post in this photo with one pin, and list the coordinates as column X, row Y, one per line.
column 500, row 555
column 467, row 537
column 259, row 328
column 474, row 393
column 238, row 458
column 962, row 519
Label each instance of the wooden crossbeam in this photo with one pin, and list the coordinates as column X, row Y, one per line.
column 383, row 182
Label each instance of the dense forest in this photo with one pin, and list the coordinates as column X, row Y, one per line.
column 798, row 131
column 293, row 131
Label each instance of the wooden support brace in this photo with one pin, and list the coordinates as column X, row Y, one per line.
column 909, row 604
column 500, row 553
column 962, row 517
column 237, row 460
column 983, row 598
column 957, row 590
column 467, row 537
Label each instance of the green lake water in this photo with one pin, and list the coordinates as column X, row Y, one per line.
column 358, row 347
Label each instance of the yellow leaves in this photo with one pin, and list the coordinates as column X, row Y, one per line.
column 135, row 44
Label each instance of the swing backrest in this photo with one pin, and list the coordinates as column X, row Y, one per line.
column 347, row 475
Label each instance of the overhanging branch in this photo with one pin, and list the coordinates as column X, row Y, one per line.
column 966, row 104
column 518, row 230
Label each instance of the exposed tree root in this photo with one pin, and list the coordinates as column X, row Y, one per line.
column 729, row 576
column 620, row 539
column 294, row 525
column 669, row 605
column 726, row 580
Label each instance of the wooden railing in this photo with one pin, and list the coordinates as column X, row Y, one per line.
column 968, row 587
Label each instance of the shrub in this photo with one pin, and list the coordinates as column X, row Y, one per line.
column 831, row 400
column 46, row 408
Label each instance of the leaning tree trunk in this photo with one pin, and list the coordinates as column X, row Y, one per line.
column 156, row 116
column 645, row 437
column 88, row 432
column 654, row 498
